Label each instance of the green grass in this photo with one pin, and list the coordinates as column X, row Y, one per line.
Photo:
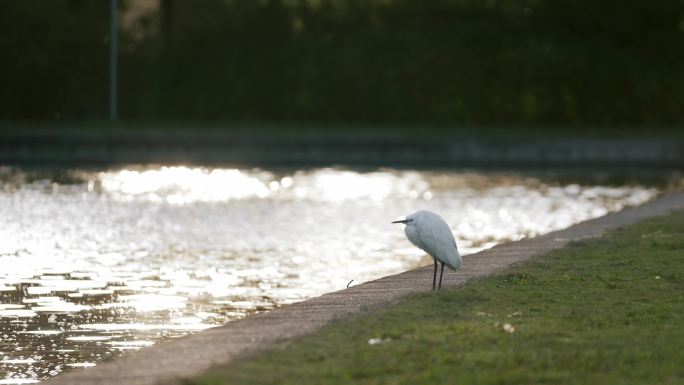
column 605, row 311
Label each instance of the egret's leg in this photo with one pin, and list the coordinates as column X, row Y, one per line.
column 441, row 273
column 434, row 276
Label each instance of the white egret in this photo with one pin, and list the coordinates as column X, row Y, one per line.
column 430, row 233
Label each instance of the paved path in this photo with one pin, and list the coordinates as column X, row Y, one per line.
column 233, row 146
column 193, row 354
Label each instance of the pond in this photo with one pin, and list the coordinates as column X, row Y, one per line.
column 94, row 263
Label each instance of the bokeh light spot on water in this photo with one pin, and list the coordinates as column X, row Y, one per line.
column 112, row 261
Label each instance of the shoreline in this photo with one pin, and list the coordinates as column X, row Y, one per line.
column 194, row 354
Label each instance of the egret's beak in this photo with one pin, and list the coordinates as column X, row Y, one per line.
column 401, row 221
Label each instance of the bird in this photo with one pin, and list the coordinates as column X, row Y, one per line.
column 430, row 233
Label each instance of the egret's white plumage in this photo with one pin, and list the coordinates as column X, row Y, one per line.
column 429, row 232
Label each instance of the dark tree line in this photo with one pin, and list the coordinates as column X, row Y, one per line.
column 382, row 61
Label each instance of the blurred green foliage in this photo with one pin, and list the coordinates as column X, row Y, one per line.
column 54, row 59
column 512, row 62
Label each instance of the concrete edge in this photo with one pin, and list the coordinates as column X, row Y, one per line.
column 54, row 147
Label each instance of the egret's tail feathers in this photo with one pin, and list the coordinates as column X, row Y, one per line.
column 454, row 262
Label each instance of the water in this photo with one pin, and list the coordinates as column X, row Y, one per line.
column 96, row 263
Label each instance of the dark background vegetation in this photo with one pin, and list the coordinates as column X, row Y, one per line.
column 520, row 62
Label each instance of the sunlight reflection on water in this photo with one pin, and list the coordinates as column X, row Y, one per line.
column 112, row 261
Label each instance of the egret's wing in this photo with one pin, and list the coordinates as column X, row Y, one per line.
column 438, row 241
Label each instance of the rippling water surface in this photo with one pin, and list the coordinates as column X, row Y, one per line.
column 93, row 264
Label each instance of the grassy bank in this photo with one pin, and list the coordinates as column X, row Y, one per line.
column 605, row 311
